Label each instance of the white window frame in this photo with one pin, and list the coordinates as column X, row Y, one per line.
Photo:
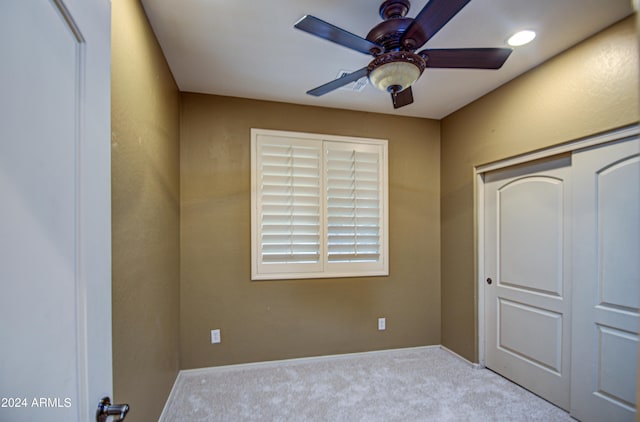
column 322, row 269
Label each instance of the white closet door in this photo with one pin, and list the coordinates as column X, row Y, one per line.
column 527, row 299
column 606, row 268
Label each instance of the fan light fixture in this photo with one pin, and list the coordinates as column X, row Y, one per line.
column 396, row 71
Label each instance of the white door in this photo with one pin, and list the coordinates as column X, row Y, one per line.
column 527, row 271
column 607, row 282
column 55, row 240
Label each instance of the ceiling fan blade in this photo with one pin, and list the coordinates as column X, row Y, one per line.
column 433, row 16
column 337, row 83
column 466, row 58
column 402, row 98
column 325, row 30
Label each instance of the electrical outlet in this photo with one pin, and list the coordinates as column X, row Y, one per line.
column 215, row 336
column 382, row 324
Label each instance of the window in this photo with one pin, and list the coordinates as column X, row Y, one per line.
column 318, row 206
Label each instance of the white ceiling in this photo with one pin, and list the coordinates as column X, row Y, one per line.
column 250, row 49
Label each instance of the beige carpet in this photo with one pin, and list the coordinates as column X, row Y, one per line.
column 421, row 384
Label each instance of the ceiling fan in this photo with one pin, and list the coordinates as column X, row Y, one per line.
column 393, row 42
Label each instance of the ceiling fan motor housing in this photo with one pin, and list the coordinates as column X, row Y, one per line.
column 388, row 34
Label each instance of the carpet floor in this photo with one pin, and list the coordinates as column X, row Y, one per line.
column 420, row 384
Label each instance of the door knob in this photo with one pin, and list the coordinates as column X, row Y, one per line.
column 489, row 281
column 106, row 409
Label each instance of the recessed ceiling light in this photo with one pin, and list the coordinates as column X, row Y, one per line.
column 521, row 38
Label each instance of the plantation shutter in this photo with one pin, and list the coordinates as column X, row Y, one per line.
column 289, row 181
column 353, row 189
column 318, row 206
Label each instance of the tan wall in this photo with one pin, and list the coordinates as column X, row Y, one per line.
column 591, row 88
column 268, row 320
column 145, row 215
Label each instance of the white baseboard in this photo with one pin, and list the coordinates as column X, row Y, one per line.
column 171, row 396
column 465, row 360
column 299, row 360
